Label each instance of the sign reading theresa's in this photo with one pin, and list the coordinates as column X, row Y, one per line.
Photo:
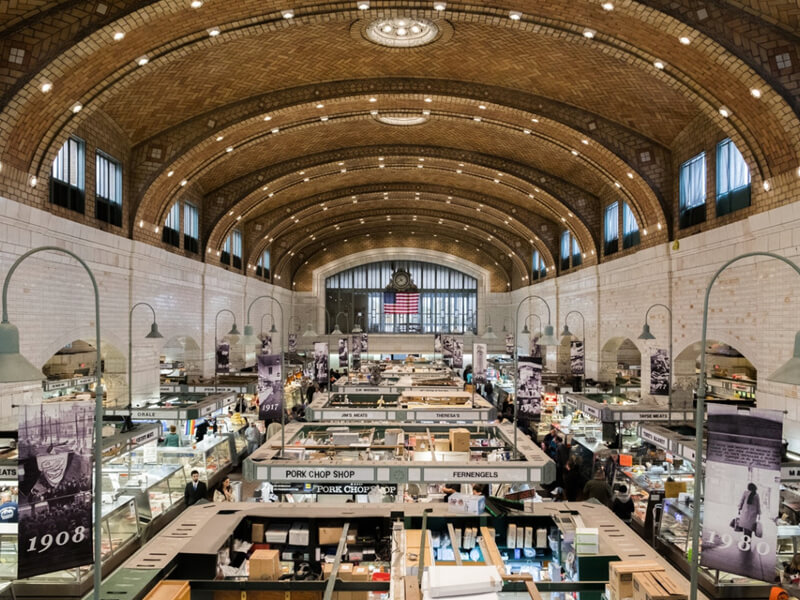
column 55, row 488
column 439, row 415
column 322, row 474
column 487, row 473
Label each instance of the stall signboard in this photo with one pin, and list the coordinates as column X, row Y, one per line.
column 321, row 362
column 448, row 415
column 223, row 357
column 322, row 473
column 270, row 387
column 654, row 438
column 333, row 488
column 55, row 487
column 742, row 491
column 571, row 401
column 8, row 472
column 593, row 411
column 661, row 415
column 488, row 472
column 659, row 372
column 292, row 343
column 479, row 363
column 576, row 357
column 458, row 353
column 356, row 415
column 529, row 387
column 355, row 351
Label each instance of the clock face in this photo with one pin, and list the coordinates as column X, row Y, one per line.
column 401, row 279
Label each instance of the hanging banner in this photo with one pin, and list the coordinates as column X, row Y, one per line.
column 536, row 349
column 223, row 357
column 55, row 487
column 529, row 387
column 355, row 353
column 270, row 387
column 659, row 372
column 458, row 353
column 742, row 491
column 293, row 343
column 364, row 343
column 437, row 343
column 576, row 357
column 447, row 346
column 266, row 344
column 343, row 354
column 510, row 344
column 478, row 363
column 321, row 362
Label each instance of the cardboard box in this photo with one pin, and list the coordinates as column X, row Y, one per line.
column 257, row 533
column 422, row 444
column 469, row 504
column 441, row 445
column 298, row 534
column 620, row 575
column 587, row 541
column 655, row 586
column 329, row 535
column 459, row 440
column 265, row 565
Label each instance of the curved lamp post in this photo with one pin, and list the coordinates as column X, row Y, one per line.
column 646, row 335
column 154, row 334
column 548, row 339
column 234, row 331
column 525, row 330
column 788, row 373
column 272, row 328
column 15, row 367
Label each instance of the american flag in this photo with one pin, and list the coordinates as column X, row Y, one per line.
column 400, row 303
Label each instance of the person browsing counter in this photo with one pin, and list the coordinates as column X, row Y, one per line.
column 223, row 492
column 195, row 490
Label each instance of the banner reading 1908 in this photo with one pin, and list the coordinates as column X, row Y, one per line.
column 55, row 487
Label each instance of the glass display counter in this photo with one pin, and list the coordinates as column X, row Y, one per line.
column 211, row 457
column 674, row 540
column 648, row 489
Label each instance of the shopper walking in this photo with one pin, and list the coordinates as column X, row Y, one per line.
column 224, row 492
column 749, row 511
column 172, row 438
column 598, row 488
column 195, row 490
column 253, row 437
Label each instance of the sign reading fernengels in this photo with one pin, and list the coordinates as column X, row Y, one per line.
column 323, row 473
column 487, row 472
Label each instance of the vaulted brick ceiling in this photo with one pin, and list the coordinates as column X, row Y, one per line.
column 530, row 125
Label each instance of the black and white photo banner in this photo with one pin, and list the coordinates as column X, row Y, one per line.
column 659, row 372
column 478, row 363
column 270, row 387
column 576, row 357
column 321, row 362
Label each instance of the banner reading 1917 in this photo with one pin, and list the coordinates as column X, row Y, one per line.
column 55, row 487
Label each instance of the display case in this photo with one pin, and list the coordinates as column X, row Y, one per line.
column 211, row 457
column 674, row 540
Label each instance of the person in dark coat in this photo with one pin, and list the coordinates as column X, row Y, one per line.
column 195, row 490
column 622, row 506
column 573, row 479
column 598, row 488
column 200, row 431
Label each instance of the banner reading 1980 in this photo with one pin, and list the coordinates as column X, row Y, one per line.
column 742, row 491
column 55, row 487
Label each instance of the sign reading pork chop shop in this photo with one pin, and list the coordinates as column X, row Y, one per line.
column 322, row 474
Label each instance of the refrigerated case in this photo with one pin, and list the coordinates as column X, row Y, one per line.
column 211, row 457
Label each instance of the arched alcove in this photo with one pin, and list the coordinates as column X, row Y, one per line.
column 730, row 376
column 621, row 363
column 78, row 359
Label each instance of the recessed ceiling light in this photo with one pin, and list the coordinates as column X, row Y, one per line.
column 33, row 181
column 220, row 138
column 618, row 184
column 170, row 173
column 213, row 32
column 118, row 35
column 420, row 166
column 381, row 166
column 459, row 171
column 320, row 106
column 589, row 33
column 684, row 40
column 267, row 118
column 585, row 142
column 184, row 182
column 755, row 93
column 287, row 14
column 476, row 119
column 439, row 5
column 574, row 152
column 428, row 99
column 77, row 107
column 482, row 106
column 658, row 225
column 229, row 149
column 275, row 130
column 766, row 186
column 658, row 64
column 373, row 112
column 196, row 3
column 514, row 15
column 724, row 111
column 534, row 120
column 373, row 99
column 363, row 4
column 644, row 231
column 630, row 175
column 46, row 86
column 142, row 61
column 607, row 6
column 157, row 228
column 323, row 119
